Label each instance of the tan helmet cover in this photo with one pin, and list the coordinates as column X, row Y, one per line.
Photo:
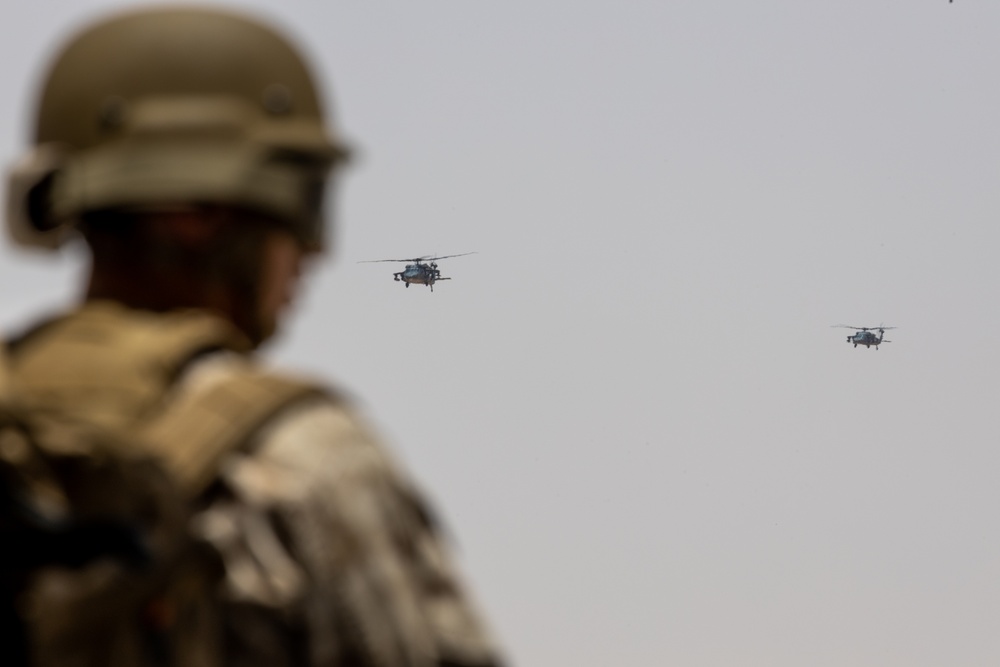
column 174, row 106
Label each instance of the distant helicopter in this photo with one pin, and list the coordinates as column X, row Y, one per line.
column 865, row 335
column 422, row 271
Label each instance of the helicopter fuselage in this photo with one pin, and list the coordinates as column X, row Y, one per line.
column 420, row 270
column 866, row 335
column 866, row 338
column 419, row 274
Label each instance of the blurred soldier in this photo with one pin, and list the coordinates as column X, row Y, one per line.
column 190, row 151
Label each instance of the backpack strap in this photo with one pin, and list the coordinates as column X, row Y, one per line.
column 5, row 389
column 111, row 366
column 199, row 428
column 116, row 368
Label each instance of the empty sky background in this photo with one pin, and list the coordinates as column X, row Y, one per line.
column 648, row 441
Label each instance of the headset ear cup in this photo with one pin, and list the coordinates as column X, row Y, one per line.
column 29, row 187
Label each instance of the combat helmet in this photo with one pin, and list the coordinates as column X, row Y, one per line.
column 167, row 106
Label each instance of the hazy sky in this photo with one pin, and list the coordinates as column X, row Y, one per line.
column 648, row 441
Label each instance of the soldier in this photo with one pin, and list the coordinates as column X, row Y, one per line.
column 190, row 150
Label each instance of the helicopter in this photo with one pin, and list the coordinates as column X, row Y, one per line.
column 421, row 270
column 866, row 335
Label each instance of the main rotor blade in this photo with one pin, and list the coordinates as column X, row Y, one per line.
column 848, row 326
column 424, row 258
column 412, row 259
column 431, row 259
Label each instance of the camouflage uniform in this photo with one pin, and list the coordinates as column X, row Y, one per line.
column 361, row 561
column 329, row 554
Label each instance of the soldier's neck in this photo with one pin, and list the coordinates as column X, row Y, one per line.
column 138, row 289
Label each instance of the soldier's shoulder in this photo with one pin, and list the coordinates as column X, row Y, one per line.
column 318, row 413
column 229, row 405
column 248, row 383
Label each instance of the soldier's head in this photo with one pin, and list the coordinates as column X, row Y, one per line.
column 190, row 149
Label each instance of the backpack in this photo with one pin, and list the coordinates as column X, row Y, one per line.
column 100, row 475
column 70, row 497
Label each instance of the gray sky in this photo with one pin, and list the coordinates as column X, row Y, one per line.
column 649, row 443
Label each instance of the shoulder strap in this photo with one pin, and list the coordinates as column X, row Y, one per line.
column 109, row 365
column 200, row 427
column 5, row 389
column 115, row 368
